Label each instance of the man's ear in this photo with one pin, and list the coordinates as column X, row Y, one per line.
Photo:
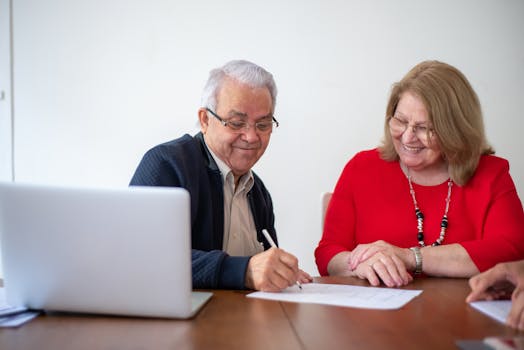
column 203, row 118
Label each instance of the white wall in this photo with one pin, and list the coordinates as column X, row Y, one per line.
column 97, row 83
column 6, row 161
column 5, row 94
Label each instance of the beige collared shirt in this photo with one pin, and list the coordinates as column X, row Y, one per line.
column 240, row 234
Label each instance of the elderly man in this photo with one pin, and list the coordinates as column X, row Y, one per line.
column 230, row 205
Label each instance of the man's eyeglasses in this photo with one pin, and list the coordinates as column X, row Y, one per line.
column 399, row 127
column 238, row 125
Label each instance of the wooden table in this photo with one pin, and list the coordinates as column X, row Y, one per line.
column 436, row 319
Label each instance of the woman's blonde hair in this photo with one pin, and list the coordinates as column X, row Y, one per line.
column 454, row 113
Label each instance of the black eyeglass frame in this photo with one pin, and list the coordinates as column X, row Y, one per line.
column 225, row 122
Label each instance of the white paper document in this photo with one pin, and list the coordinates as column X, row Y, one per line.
column 13, row 316
column 343, row 295
column 497, row 309
column 18, row 319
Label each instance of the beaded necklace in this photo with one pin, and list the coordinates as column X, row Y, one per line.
column 420, row 216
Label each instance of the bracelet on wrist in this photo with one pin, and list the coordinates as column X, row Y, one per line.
column 418, row 260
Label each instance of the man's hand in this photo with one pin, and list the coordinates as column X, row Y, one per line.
column 274, row 270
column 500, row 282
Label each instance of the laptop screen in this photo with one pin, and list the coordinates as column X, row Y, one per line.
column 99, row 250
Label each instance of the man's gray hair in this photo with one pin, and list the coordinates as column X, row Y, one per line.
column 243, row 71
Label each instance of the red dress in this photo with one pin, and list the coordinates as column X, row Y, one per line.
column 371, row 202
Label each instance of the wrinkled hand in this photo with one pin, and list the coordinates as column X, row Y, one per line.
column 274, row 270
column 381, row 261
column 501, row 282
column 304, row 277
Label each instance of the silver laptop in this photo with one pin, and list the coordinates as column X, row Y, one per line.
column 120, row 251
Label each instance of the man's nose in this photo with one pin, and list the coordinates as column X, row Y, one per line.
column 250, row 132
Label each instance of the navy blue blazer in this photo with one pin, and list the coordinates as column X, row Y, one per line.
column 186, row 162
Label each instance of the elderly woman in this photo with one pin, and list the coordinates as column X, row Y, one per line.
column 432, row 198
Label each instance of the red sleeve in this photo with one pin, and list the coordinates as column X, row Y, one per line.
column 338, row 234
column 502, row 236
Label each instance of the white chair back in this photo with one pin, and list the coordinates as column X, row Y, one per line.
column 325, row 197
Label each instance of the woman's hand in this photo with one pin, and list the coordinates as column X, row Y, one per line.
column 381, row 261
column 389, row 269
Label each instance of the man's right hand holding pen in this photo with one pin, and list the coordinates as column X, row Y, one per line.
column 274, row 270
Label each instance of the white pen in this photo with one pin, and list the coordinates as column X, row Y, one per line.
column 272, row 243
